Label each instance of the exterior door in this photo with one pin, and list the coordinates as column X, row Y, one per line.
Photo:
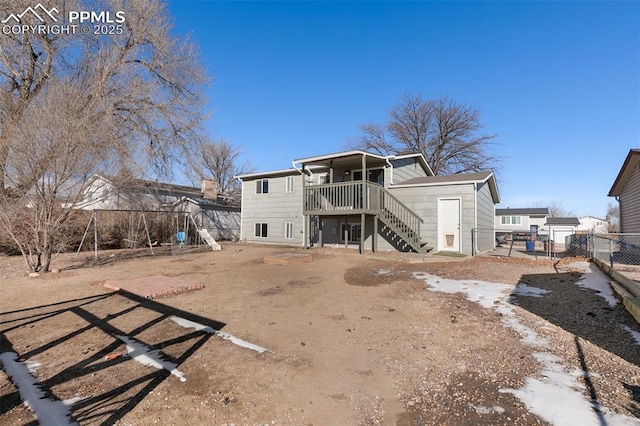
column 449, row 224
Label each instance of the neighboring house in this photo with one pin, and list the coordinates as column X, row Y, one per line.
column 559, row 228
column 368, row 200
column 593, row 225
column 206, row 208
column 626, row 189
column 521, row 220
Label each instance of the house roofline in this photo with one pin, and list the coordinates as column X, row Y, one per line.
column 338, row 155
column 490, row 177
column 615, row 191
column 418, row 155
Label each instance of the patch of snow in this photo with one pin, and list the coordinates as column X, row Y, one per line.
column 558, row 396
column 527, row 290
column 47, row 411
column 635, row 334
column 150, row 357
column 487, row 410
column 383, row 272
column 594, row 279
column 32, row 366
column 226, row 336
column 182, row 322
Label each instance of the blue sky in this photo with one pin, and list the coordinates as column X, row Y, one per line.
column 559, row 82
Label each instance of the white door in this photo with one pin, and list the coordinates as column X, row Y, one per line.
column 449, row 224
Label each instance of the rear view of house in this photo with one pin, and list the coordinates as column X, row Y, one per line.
column 369, row 201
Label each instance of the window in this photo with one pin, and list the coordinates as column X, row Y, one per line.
column 510, row 220
column 261, row 230
column 288, row 231
column 262, row 186
column 289, row 184
column 353, row 231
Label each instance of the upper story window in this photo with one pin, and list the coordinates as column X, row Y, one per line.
column 262, row 186
column 289, row 184
column 510, row 220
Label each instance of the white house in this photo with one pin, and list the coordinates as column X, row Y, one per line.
column 203, row 207
column 521, row 220
column 593, row 225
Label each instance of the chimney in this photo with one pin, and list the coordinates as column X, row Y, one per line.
column 209, row 189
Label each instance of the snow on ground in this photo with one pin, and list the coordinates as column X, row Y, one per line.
column 593, row 278
column 151, row 357
column 557, row 398
column 635, row 334
column 47, row 411
column 226, row 336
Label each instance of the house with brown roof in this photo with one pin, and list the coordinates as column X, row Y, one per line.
column 203, row 207
column 369, row 201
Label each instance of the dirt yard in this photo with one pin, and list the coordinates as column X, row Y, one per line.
column 351, row 340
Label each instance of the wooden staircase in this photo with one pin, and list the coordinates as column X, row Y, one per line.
column 400, row 224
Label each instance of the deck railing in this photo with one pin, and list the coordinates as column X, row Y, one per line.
column 358, row 197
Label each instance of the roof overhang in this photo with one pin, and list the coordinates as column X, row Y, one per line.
column 490, row 179
column 346, row 156
column 274, row 173
column 632, row 161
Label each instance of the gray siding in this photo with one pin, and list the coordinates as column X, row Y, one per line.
column 485, row 236
column 274, row 208
column 406, row 168
column 423, row 200
column 630, row 204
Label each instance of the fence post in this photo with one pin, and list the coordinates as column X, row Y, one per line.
column 611, row 253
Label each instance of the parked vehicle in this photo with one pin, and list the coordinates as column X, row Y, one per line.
column 501, row 239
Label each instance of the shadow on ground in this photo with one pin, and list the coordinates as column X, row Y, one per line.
column 581, row 312
column 82, row 354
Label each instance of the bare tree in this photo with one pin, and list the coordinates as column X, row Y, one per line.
column 448, row 134
column 77, row 104
column 556, row 209
column 220, row 161
column 613, row 217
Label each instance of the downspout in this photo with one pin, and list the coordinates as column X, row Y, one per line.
column 390, row 170
column 474, row 249
column 617, row 198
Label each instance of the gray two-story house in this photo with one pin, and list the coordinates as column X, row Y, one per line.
column 369, row 201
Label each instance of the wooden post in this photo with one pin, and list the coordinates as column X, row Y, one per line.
column 320, row 243
column 362, row 233
column 374, row 237
column 330, row 171
column 95, row 234
column 305, row 218
column 346, row 233
column 365, row 203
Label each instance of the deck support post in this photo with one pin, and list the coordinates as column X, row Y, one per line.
column 374, row 236
column 305, row 218
column 320, row 243
column 362, row 233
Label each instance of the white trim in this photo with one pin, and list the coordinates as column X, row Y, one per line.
column 337, row 155
column 450, row 182
column 267, row 174
column 418, row 155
